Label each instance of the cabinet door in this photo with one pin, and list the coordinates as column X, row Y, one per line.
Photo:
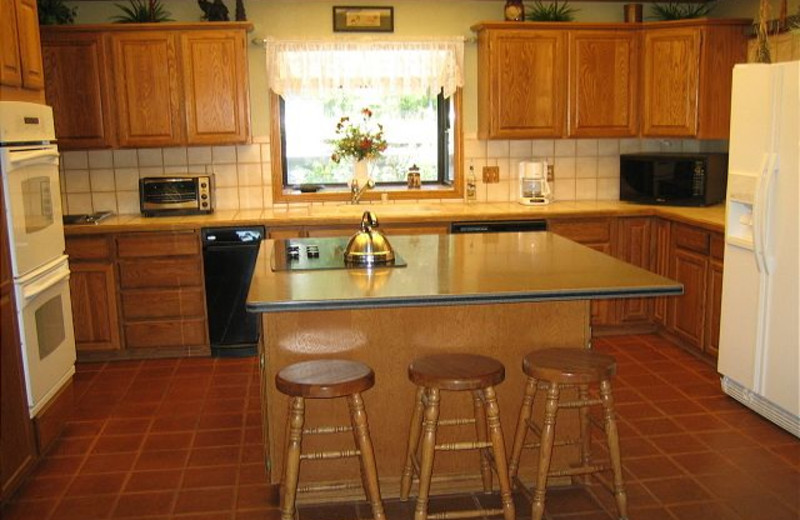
column 77, row 89
column 635, row 248
column 603, row 83
column 523, row 74
column 147, row 87
column 671, row 79
column 215, row 86
column 29, row 47
column 94, row 306
column 687, row 312
column 660, row 265
column 714, row 304
column 10, row 63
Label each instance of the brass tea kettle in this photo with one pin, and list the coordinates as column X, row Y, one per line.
column 369, row 246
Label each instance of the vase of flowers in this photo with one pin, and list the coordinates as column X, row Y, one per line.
column 361, row 140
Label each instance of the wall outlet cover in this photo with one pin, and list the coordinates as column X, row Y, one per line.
column 491, row 174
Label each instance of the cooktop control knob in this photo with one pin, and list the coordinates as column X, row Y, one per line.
column 312, row 251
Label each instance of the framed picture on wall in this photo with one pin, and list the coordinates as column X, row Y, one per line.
column 363, row 19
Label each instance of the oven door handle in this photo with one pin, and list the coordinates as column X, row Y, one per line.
column 20, row 158
column 35, row 289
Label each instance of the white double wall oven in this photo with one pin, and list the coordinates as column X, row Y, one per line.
column 29, row 167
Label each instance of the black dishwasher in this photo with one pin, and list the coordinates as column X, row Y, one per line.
column 229, row 257
column 498, row 226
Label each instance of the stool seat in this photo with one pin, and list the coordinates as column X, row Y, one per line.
column 456, row 372
column 569, row 365
column 325, row 378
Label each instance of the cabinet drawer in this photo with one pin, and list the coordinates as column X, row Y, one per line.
column 171, row 333
column 690, row 238
column 717, row 246
column 584, row 231
column 158, row 244
column 161, row 273
column 175, row 303
column 89, row 248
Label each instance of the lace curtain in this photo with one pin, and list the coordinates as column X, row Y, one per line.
column 314, row 68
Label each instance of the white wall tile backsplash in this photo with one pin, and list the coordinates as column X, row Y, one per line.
column 584, row 169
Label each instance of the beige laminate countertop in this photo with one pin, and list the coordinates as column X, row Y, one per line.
column 711, row 218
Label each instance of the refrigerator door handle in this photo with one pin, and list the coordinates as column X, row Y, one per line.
column 758, row 212
column 766, row 256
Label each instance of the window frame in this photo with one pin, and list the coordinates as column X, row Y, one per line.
column 283, row 194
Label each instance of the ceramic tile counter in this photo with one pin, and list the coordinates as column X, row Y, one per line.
column 711, row 218
column 500, row 294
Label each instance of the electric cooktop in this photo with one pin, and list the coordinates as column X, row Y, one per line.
column 309, row 254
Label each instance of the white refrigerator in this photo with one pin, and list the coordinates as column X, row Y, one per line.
column 759, row 350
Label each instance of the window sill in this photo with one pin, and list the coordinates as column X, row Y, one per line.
column 439, row 191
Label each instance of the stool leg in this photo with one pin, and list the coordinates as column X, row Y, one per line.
column 482, row 435
column 414, row 432
column 545, row 451
column 291, row 470
column 428, row 451
column 613, row 447
column 499, row 448
column 586, row 440
column 369, row 470
column 522, row 426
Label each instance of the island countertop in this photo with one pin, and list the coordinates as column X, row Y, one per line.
column 459, row 270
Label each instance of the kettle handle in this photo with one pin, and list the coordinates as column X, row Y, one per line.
column 368, row 221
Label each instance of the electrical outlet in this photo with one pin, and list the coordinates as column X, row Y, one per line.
column 491, row 174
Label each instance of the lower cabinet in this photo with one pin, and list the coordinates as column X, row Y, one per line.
column 714, row 295
column 634, row 245
column 93, row 289
column 138, row 295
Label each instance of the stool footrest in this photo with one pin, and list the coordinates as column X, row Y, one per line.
column 326, row 455
column 556, row 444
column 456, row 422
column 327, row 429
column 329, row 487
column 582, row 470
column 465, row 445
column 477, row 513
column 580, row 403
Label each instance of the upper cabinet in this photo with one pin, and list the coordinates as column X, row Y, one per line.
column 21, row 72
column 688, row 71
column 603, row 83
column 584, row 80
column 155, row 84
column 521, row 83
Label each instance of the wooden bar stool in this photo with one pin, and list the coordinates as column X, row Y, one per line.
column 327, row 379
column 458, row 373
column 555, row 369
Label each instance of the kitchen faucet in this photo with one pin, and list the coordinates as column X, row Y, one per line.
column 356, row 192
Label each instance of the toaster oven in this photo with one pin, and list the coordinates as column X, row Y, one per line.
column 180, row 195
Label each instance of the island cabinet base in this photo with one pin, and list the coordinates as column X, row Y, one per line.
column 387, row 339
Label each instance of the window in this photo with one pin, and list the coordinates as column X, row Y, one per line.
column 412, row 89
column 417, row 129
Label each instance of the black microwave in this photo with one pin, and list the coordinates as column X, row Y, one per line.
column 677, row 179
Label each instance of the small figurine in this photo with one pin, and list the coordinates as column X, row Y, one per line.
column 241, row 16
column 214, row 11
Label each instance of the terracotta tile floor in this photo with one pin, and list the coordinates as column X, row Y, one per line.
column 181, row 438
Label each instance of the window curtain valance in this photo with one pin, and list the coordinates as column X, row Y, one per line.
column 316, row 68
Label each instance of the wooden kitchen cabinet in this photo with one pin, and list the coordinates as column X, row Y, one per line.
column 17, row 444
column 687, row 313
column 146, row 88
column 521, row 81
column 603, row 83
column 21, row 72
column 600, row 235
column 660, row 265
column 93, row 291
column 78, row 88
column 214, row 71
column 162, row 291
column 714, row 296
column 688, row 72
column 635, row 247
column 168, row 84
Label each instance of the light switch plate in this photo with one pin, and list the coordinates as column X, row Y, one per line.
column 491, row 174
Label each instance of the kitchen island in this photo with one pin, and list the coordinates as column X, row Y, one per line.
column 500, row 294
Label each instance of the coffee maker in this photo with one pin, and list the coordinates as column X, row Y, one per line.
column 534, row 190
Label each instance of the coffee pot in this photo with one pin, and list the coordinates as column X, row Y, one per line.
column 534, row 190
